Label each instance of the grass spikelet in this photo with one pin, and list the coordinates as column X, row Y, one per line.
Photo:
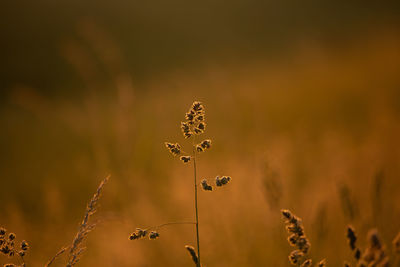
column 322, row 263
column 351, row 237
column 192, row 253
column 295, row 256
column 206, row 186
column 185, row 159
column 374, row 254
column 222, row 181
column 206, row 144
column 76, row 248
column 174, row 149
column 154, row 235
column 297, row 237
column 307, row 263
column 9, row 248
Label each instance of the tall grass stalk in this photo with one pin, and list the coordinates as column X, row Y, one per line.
column 195, row 203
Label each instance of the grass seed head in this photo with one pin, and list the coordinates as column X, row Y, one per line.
column 295, row 256
column 351, row 236
column 206, row 144
column 199, row 148
column 322, row 263
column 206, row 186
column 174, row 149
column 24, row 245
column 192, row 253
column 222, row 181
column 185, row 159
column 154, row 235
column 11, row 236
column 307, row 263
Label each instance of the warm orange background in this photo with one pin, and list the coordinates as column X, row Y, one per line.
column 302, row 104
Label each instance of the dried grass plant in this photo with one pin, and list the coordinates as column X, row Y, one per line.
column 76, row 249
column 298, row 239
column 193, row 126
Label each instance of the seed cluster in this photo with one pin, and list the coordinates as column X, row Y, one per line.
column 195, row 120
column 298, row 239
column 174, row 149
column 373, row 255
column 192, row 253
column 8, row 246
column 204, row 145
column 219, row 181
column 193, row 125
column 141, row 233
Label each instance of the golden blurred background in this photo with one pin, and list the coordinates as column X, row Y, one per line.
column 302, row 102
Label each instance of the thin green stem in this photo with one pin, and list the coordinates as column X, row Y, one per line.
column 195, row 203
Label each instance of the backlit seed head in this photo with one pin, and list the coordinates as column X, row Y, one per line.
column 174, row 149
column 133, row 236
column 199, row 148
column 2, row 231
column 295, row 256
column 197, row 107
column 198, row 131
column 287, row 214
column 139, row 233
column 21, row 253
column 307, row 263
column 24, row 245
column 11, row 236
column 186, row 130
column 374, row 239
column 5, row 249
column 169, row 145
column 202, row 126
column 199, row 118
column 192, row 253
column 222, row 181
column 206, row 144
column 351, row 236
column 154, row 235
column 292, row 239
column 10, row 265
column 185, row 159
column 322, row 263
column 357, row 254
column 346, row 264
column 190, row 116
column 295, row 229
column 206, row 186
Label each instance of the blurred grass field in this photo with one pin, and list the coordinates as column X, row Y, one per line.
column 295, row 130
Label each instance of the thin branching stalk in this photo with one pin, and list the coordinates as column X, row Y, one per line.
column 61, row 251
column 195, row 204
column 166, row 224
column 76, row 249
